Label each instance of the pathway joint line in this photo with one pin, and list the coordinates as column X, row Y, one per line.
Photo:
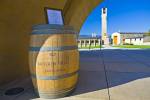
column 105, row 73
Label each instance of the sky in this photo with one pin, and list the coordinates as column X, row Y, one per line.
column 123, row 15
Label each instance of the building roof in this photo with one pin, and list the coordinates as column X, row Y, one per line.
column 88, row 37
column 131, row 32
column 134, row 37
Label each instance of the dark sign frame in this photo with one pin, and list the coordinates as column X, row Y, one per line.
column 46, row 14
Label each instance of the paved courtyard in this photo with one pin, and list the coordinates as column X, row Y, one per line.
column 109, row 74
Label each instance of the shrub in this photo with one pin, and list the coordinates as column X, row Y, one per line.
column 127, row 44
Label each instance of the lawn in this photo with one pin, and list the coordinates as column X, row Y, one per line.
column 92, row 47
column 134, row 46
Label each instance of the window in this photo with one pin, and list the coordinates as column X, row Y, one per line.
column 54, row 16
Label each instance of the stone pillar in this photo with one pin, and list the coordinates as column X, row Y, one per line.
column 89, row 42
column 95, row 42
column 84, row 43
column 79, row 43
column 99, row 41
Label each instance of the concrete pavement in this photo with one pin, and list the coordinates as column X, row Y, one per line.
column 110, row 74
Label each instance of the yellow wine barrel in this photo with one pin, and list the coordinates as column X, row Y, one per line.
column 54, row 60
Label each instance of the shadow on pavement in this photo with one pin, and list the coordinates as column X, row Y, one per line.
column 95, row 79
column 108, row 68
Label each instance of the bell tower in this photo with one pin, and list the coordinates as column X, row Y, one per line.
column 104, row 26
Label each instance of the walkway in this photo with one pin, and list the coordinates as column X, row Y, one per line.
column 110, row 74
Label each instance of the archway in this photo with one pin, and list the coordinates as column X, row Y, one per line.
column 125, row 69
column 16, row 21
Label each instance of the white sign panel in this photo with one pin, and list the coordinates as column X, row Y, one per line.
column 54, row 17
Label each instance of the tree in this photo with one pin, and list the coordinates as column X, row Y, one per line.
column 147, row 33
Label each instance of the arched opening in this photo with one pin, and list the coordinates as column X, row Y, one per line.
column 124, row 68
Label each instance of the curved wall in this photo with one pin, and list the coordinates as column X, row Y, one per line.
column 16, row 20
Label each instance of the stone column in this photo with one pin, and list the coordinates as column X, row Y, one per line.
column 92, row 42
column 99, row 42
column 84, row 43
column 95, row 42
column 79, row 43
column 89, row 42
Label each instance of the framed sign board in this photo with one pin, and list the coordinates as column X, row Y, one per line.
column 54, row 16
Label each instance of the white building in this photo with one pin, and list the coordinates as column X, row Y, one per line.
column 120, row 38
column 86, row 41
column 134, row 41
